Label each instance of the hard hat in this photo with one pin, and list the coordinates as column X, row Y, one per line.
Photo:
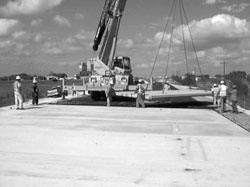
column 234, row 86
column 111, row 81
column 222, row 82
column 140, row 80
column 18, row 77
column 215, row 85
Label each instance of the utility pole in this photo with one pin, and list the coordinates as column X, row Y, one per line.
column 224, row 68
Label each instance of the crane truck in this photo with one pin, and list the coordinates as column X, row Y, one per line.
column 106, row 68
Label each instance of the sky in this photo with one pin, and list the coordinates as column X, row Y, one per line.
column 43, row 36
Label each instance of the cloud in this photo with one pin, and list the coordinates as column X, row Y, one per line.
column 7, row 26
column 27, row 37
column 128, row 43
column 70, row 45
column 236, row 8
column 216, row 38
column 38, row 37
column 221, row 26
column 51, row 48
column 210, row 2
column 82, row 35
column 80, row 38
column 36, row 22
column 5, row 44
column 61, row 21
column 18, row 7
column 143, row 66
column 14, row 48
column 18, row 34
column 78, row 42
column 79, row 16
column 218, row 30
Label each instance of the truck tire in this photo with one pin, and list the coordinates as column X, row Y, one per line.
column 98, row 95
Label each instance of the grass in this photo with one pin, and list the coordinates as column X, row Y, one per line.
column 7, row 93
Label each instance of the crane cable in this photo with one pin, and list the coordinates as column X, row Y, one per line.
column 183, row 39
column 171, row 39
column 158, row 51
column 182, row 10
column 195, row 52
column 183, row 36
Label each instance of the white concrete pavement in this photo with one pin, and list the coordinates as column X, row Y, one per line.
column 52, row 145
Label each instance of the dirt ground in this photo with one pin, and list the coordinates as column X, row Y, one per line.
column 242, row 119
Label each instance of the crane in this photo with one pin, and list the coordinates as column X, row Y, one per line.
column 106, row 66
column 107, row 31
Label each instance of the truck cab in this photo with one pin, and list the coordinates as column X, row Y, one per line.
column 121, row 65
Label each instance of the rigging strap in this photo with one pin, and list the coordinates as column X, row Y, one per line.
column 183, row 16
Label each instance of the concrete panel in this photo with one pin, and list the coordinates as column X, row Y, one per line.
column 53, row 145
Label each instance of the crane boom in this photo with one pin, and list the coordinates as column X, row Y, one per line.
column 108, row 28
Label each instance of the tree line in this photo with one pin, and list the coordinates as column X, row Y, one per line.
column 238, row 78
column 26, row 76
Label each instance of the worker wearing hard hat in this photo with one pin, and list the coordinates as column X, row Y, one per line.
column 166, row 86
column 215, row 92
column 35, row 92
column 223, row 95
column 17, row 86
column 110, row 92
column 140, row 94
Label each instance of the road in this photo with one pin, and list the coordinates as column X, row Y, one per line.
column 93, row 146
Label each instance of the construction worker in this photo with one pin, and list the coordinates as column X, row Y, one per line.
column 215, row 92
column 234, row 99
column 140, row 94
column 166, row 86
column 223, row 95
column 110, row 92
column 74, row 90
column 17, row 86
column 35, row 92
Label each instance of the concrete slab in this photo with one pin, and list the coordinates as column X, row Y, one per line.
column 157, row 94
column 53, row 145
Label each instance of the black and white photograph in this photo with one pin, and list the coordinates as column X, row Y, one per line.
column 128, row 93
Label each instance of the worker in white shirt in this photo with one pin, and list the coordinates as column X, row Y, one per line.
column 17, row 86
column 110, row 92
column 215, row 92
column 223, row 95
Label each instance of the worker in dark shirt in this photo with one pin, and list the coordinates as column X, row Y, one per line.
column 140, row 95
column 35, row 92
column 234, row 99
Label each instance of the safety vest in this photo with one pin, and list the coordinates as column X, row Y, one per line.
column 223, row 90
